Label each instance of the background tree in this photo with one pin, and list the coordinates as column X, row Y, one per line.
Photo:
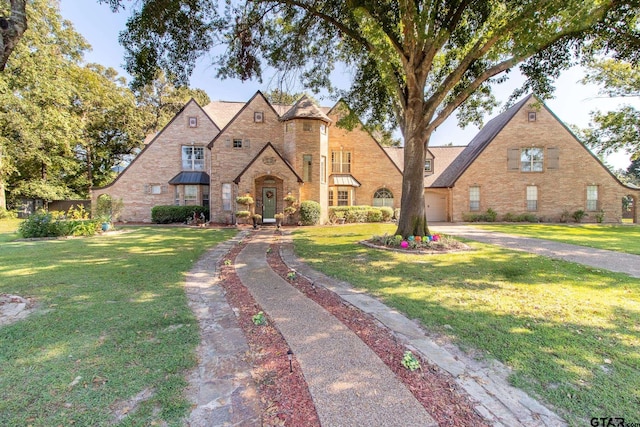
column 414, row 63
column 616, row 130
column 159, row 101
column 13, row 24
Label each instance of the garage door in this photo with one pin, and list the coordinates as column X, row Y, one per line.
column 436, row 206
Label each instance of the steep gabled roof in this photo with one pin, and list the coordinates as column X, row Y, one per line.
column 150, row 139
column 221, row 112
column 238, row 112
column 267, row 145
column 477, row 145
column 305, row 108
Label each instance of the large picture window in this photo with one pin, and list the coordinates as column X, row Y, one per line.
column 531, row 159
column 192, row 158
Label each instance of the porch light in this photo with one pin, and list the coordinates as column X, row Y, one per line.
column 290, row 357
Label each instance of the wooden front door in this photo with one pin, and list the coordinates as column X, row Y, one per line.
column 268, row 204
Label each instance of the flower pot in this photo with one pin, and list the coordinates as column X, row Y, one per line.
column 106, row 226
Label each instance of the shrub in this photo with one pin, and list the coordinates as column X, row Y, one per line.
column 387, row 213
column 509, row 217
column 244, row 200
column 243, row 214
column 5, row 214
column 374, row 215
column 565, row 216
column 600, row 216
column 396, row 213
column 55, row 224
column 527, row 217
column 108, row 208
column 167, row 214
column 491, row 215
column 309, row 212
column 578, row 215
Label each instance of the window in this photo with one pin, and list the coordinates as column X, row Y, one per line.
column 193, row 122
column 323, row 169
column 177, row 196
column 343, row 197
column 205, row 196
column 340, row 162
column 383, row 197
column 592, row 197
column 226, row 197
column 531, row 159
column 323, row 129
column 237, row 143
column 474, row 198
column 306, row 126
column 306, row 167
column 331, row 197
column 532, row 198
column 427, row 165
column 193, row 158
column 531, row 116
column 258, row 117
column 190, row 194
column 156, row 189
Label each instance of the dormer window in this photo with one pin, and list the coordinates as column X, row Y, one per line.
column 428, row 166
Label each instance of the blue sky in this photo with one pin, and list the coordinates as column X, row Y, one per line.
column 572, row 103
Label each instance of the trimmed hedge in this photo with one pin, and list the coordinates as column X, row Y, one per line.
column 309, row 212
column 55, row 224
column 355, row 214
column 168, row 214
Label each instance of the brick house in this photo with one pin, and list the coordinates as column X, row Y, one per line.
column 525, row 160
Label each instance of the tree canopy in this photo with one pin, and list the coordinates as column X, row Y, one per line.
column 617, row 130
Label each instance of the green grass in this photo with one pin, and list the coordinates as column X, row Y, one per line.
column 112, row 311
column 556, row 324
column 8, row 229
column 621, row 238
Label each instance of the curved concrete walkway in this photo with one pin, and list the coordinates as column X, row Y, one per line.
column 349, row 384
column 598, row 258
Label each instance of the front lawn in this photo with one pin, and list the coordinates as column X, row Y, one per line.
column 113, row 323
column 619, row 238
column 571, row 334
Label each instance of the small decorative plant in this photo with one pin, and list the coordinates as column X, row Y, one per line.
column 291, row 275
column 227, row 262
column 600, row 216
column 290, row 199
column 244, row 200
column 410, row 362
column 259, row 319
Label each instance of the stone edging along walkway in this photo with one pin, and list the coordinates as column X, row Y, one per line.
column 498, row 402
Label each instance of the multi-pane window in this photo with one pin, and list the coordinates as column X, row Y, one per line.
column 341, row 162
column 592, row 197
column 474, row 198
column 190, row 194
column 532, row 198
column 383, row 197
column 531, row 159
column 237, row 143
column 307, row 127
column 226, row 197
column 343, row 197
column 306, row 167
column 193, row 158
column 427, row 165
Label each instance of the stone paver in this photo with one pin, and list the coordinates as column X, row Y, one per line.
column 221, row 387
column 598, row 258
column 349, row 384
column 497, row 401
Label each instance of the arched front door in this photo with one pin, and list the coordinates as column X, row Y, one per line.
column 269, row 197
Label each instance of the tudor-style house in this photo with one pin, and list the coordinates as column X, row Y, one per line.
column 525, row 160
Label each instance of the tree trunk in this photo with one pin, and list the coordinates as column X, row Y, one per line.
column 12, row 29
column 3, row 198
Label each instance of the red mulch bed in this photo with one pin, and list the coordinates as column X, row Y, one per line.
column 285, row 395
column 435, row 389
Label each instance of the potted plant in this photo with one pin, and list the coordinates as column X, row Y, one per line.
column 243, row 215
column 257, row 218
column 278, row 217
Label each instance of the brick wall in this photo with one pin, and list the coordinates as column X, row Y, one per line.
column 560, row 189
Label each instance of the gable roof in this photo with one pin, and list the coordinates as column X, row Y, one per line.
column 267, row 145
column 477, row 145
column 443, row 157
column 238, row 112
column 305, row 108
column 221, row 112
column 150, row 139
